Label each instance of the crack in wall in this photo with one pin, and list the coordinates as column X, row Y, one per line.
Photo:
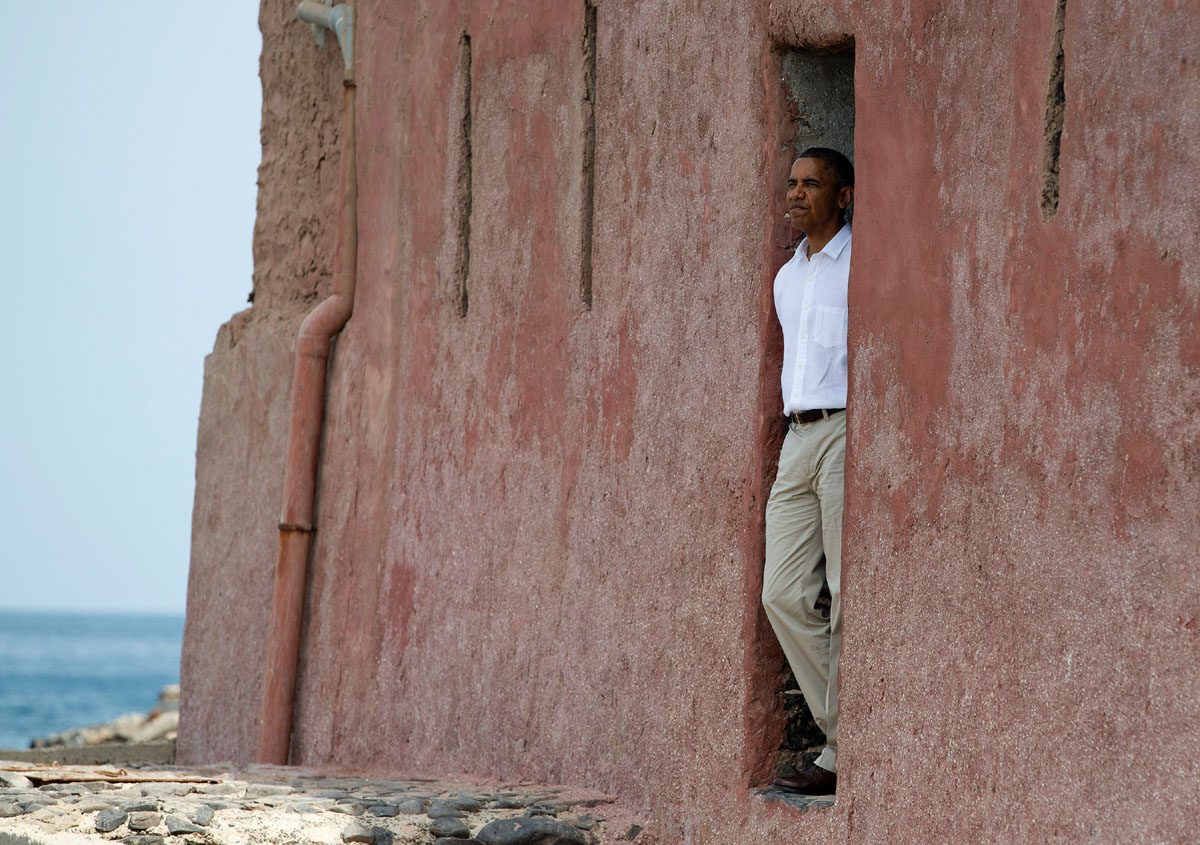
column 1056, row 108
column 463, row 191
column 589, row 153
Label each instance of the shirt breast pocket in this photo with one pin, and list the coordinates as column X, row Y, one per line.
column 831, row 326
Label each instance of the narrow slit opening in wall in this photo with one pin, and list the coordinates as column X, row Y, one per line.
column 462, row 182
column 815, row 87
column 1056, row 108
column 589, row 153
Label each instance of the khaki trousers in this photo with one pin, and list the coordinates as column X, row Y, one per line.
column 804, row 550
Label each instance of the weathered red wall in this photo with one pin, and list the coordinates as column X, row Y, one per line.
column 1023, row 594
column 539, row 535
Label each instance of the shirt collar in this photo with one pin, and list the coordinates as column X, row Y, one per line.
column 832, row 249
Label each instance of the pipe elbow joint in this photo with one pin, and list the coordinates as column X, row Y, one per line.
column 339, row 19
column 327, row 319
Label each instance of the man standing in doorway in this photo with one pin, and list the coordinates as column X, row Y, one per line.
column 804, row 512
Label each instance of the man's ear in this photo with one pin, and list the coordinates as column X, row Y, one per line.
column 845, row 197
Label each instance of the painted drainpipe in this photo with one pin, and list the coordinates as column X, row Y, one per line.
column 308, row 409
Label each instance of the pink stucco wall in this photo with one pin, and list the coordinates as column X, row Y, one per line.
column 539, row 527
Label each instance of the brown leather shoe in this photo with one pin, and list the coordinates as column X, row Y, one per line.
column 812, row 781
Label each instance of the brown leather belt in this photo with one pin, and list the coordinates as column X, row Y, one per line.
column 813, row 415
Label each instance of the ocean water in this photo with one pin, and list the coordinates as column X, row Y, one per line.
column 67, row 670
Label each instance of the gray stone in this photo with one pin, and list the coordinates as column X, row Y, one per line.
column 444, row 809
column 507, row 804
column 164, row 789
column 178, row 824
column 357, row 832
column 223, row 788
column 466, row 803
column 92, row 805
column 110, row 820
column 258, row 790
column 303, row 808
column 411, row 807
column 586, row 802
column 385, row 810
column 350, row 808
column 8, row 810
column 140, row 807
column 531, row 831
column 143, row 821
column 449, row 826
column 220, row 805
column 144, row 839
column 451, row 840
column 15, row 780
column 201, row 814
column 75, row 788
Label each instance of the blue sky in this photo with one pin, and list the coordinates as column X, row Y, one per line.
column 129, row 156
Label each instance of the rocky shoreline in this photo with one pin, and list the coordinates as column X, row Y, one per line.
column 158, row 725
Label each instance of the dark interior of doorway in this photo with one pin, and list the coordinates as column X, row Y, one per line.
column 817, row 90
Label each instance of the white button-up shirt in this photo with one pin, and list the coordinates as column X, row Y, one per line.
column 810, row 300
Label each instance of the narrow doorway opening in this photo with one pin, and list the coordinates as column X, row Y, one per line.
column 813, row 107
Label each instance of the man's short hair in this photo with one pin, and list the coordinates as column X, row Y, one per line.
column 838, row 163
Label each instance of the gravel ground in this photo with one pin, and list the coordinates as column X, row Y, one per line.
column 265, row 805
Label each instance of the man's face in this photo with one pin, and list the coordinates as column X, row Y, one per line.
column 815, row 201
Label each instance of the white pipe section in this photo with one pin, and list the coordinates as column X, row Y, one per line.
column 339, row 18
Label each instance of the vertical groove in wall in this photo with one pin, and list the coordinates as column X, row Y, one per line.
column 589, row 152
column 462, row 199
column 1055, row 112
